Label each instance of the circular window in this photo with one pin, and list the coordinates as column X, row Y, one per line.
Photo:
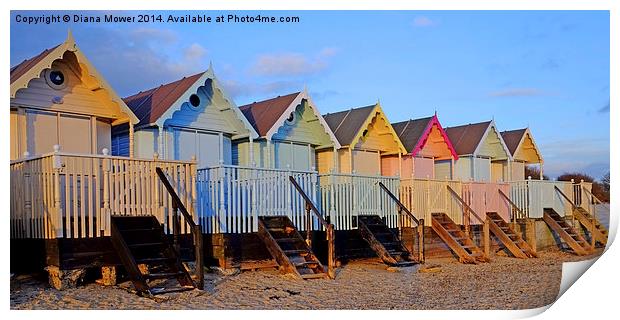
column 194, row 100
column 365, row 133
column 55, row 79
column 291, row 118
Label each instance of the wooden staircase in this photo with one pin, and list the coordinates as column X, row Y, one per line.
column 462, row 245
column 510, row 238
column 594, row 227
column 383, row 241
column 571, row 237
column 140, row 240
column 288, row 248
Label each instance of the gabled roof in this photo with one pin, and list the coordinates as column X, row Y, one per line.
column 22, row 68
column 29, row 69
column 263, row 115
column 154, row 106
column 414, row 134
column 151, row 104
column 349, row 126
column 515, row 139
column 268, row 116
column 467, row 139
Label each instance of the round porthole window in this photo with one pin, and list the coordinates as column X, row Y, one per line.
column 55, row 79
column 291, row 118
column 194, row 100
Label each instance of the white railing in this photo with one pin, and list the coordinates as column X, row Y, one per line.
column 70, row 195
column 426, row 196
column 533, row 196
column 232, row 197
column 346, row 196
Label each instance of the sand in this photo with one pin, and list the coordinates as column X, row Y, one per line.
column 505, row 283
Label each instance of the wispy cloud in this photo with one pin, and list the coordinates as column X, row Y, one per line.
column 518, row 92
column 292, row 63
column 604, row 109
column 422, row 21
column 144, row 52
column 238, row 89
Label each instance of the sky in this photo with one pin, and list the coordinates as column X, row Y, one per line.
column 548, row 70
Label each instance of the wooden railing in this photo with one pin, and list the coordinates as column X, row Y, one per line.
column 532, row 196
column 66, row 195
column 178, row 206
column 515, row 213
column 467, row 210
column 232, row 197
column 329, row 228
column 343, row 197
column 419, row 222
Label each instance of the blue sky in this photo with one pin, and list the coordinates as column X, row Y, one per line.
column 548, row 70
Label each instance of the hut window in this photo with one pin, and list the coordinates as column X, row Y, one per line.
column 55, row 79
column 194, row 100
column 291, row 118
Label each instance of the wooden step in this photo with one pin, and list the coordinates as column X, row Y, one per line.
column 163, row 275
column 456, row 246
column 313, row 276
column 288, row 259
column 160, row 290
column 382, row 240
column 570, row 237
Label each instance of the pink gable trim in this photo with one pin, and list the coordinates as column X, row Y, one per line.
column 427, row 132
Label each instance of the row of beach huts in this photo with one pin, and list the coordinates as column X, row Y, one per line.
column 161, row 183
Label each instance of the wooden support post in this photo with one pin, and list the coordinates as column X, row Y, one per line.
column 160, row 143
column 29, row 218
column 331, row 251
column 420, row 230
column 58, row 208
column 486, row 239
column 530, row 233
column 131, row 140
column 251, row 161
column 106, row 212
column 308, row 225
column 176, row 227
column 200, row 282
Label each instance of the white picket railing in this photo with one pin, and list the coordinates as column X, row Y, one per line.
column 230, row 198
column 533, row 196
column 426, row 196
column 70, row 195
column 343, row 197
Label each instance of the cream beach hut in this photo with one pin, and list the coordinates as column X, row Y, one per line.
column 190, row 117
column 430, row 152
column 67, row 192
column 481, row 150
column 59, row 98
column 291, row 133
column 524, row 152
column 366, row 137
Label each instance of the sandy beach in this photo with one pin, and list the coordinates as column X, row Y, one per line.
column 505, row 283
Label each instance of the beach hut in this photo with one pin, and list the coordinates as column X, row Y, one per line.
column 430, row 152
column 481, row 150
column 523, row 151
column 68, row 200
column 59, row 98
column 190, row 117
column 290, row 133
column 365, row 136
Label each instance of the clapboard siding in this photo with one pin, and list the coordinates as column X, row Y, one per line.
column 492, row 146
column 77, row 97
column 305, row 128
column 482, row 169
